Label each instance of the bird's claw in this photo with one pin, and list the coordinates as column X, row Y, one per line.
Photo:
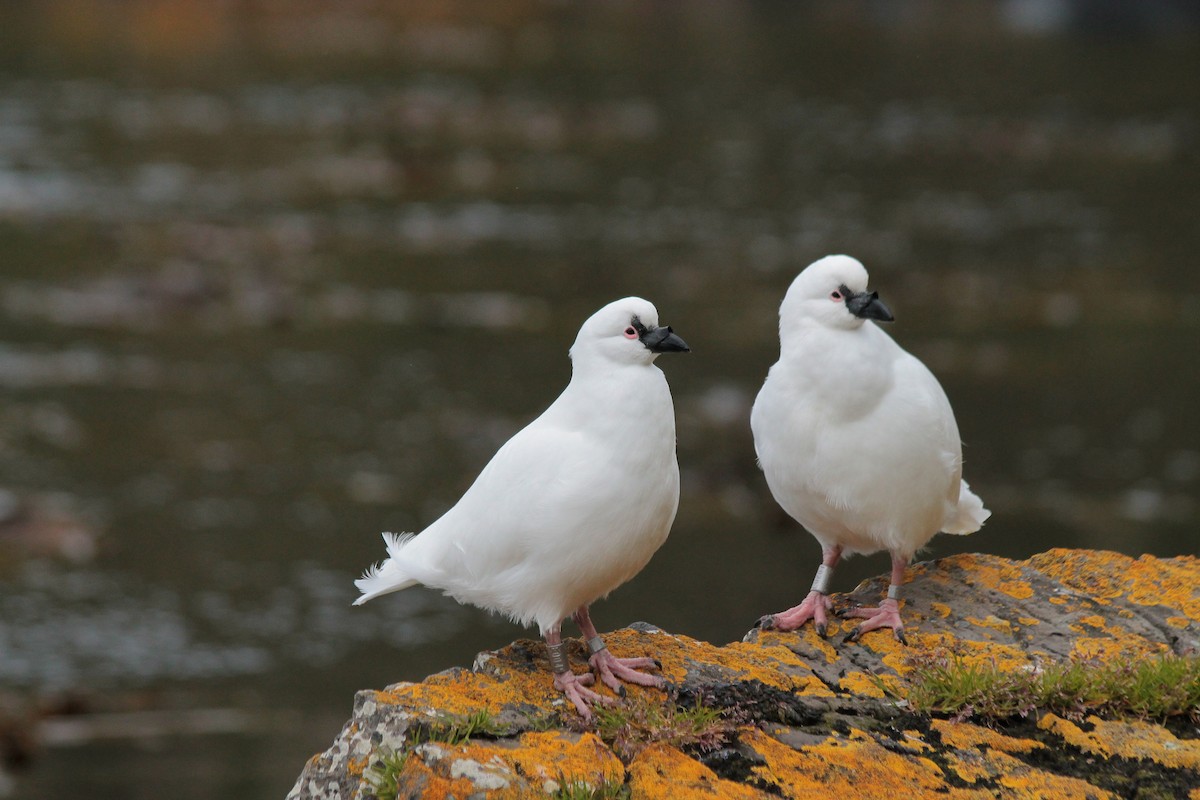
column 575, row 688
column 852, row 636
column 612, row 671
column 822, row 630
column 766, row 622
column 887, row 615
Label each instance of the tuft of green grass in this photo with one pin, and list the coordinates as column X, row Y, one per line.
column 631, row 727
column 1151, row 688
column 582, row 790
column 384, row 774
column 457, row 730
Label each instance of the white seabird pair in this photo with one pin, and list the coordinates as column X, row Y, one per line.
column 855, row 436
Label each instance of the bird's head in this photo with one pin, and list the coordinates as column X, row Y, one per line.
column 626, row 331
column 832, row 292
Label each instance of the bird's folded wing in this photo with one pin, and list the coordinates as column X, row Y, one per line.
column 537, row 486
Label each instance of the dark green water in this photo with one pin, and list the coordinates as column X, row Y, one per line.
column 274, row 281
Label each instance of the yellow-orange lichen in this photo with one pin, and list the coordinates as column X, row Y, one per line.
column 435, row 778
column 662, row 771
column 356, row 766
column 993, row 622
column 971, row 653
column 554, row 755
column 994, row 573
column 811, row 639
column 915, row 741
column 464, row 693
column 1166, row 581
column 847, row 768
column 1147, row 580
column 1099, row 574
column 963, row 735
column 979, row 761
column 1125, row 645
column 982, row 754
column 774, row 666
column 1016, row 779
column 864, row 685
column 970, row 766
column 1130, row 739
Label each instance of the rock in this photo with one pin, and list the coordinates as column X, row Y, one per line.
column 810, row 717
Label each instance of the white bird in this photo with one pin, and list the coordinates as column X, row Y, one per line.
column 856, row 439
column 570, row 508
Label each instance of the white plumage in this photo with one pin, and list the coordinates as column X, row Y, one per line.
column 573, row 505
column 855, row 436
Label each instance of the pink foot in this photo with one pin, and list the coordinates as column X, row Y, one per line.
column 887, row 615
column 575, row 688
column 612, row 670
column 813, row 607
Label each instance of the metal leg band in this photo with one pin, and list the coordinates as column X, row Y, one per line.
column 558, row 658
column 821, row 581
column 893, row 591
column 596, row 644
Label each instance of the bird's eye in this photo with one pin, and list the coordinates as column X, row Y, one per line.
column 835, row 295
column 631, row 332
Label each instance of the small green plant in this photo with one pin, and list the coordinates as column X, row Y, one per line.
column 1152, row 688
column 456, row 730
column 631, row 727
column 384, row 774
column 582, row 790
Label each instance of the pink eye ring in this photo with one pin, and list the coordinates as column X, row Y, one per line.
column 835, row 295
column 631, row 332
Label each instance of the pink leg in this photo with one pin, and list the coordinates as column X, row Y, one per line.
column 610, row 669
column 887, row 614
column 813, row 607
column 572, row 685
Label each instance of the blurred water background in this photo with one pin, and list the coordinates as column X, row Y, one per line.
column 275, row 277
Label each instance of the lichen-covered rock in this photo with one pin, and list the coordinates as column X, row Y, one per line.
column 810, row 717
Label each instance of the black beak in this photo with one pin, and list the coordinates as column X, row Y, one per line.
column 867, row 305
column 663, row 340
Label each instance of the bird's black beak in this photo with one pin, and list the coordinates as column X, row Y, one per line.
column 867, row 305
column 663, row 340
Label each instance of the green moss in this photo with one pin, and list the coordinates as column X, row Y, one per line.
column 1155, row 688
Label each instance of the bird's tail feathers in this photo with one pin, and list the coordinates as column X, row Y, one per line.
column 388, row 575
column 969, row 515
